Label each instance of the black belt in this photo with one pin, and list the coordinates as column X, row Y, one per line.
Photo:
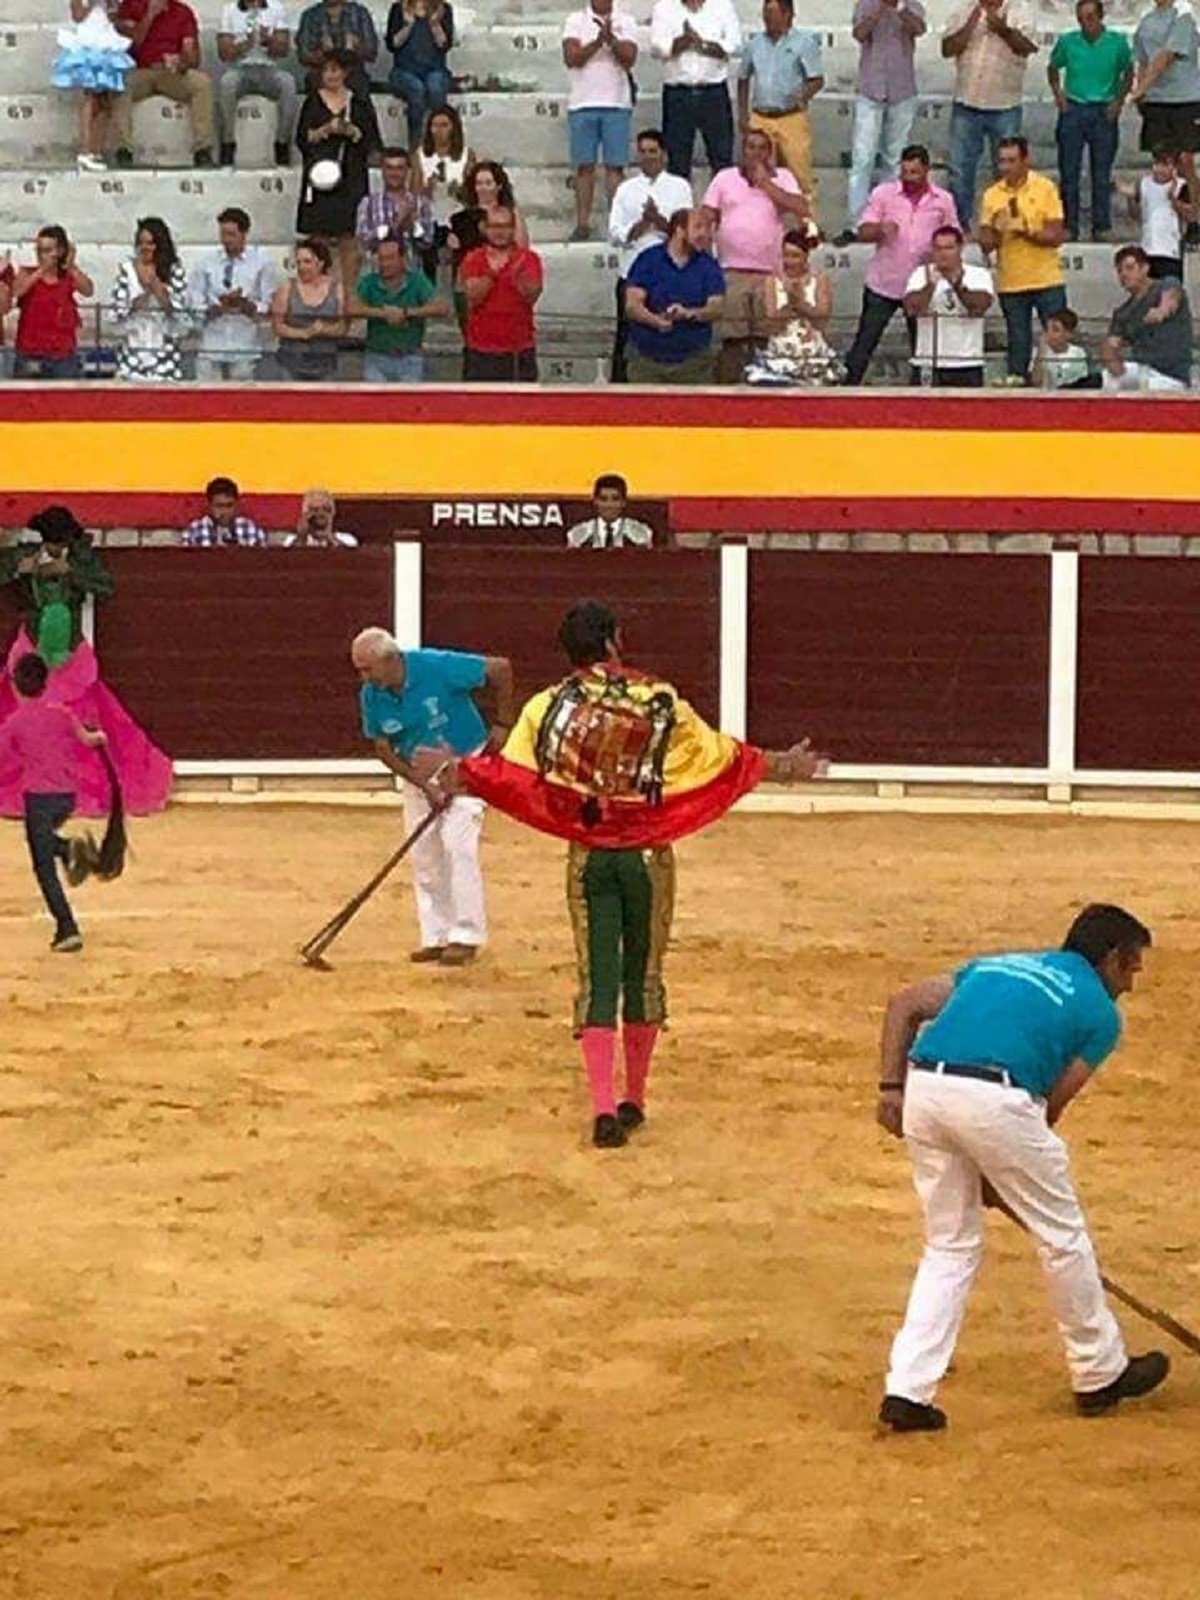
column 956, row 1069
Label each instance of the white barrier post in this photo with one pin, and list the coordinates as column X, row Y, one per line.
column 735, row 607
column 406, row 593
column 1064, row 671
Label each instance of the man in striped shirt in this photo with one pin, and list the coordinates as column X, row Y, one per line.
column 222, row 524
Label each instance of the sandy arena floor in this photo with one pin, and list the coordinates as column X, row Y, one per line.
column 312, row 1288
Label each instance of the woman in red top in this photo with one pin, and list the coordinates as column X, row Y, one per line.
column 48, row 311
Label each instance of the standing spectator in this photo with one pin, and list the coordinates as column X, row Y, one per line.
column 420, row 35
column 317, row 525
column 1167, row 83
column 1021, row 220
column 395, row 210
column 639, row 219
column 223, row 522
column 886, row 103
column 1060, row 364
column 752, row 206
column 151, row 301
column 485, row 186
column 308, row 315
column 672, row 299
column 784, row 64
column 337, row 134
column 396, row 299
column 696, row 39
column 443, row 161
column 1165, row 204
column 1090, row 74
column 599, row 48
column 232, row 289
column 1149, row 343
column 502, row 281
column 990, row 42
column 343, row 26
column 610, row 527
column 252, row 41
column 900, row 220
column 949, row 299
column 165, row 43
column 48, row 309
column 94, row 58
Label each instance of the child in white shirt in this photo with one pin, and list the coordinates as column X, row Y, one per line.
column 1059, row 363
column 1165, row 205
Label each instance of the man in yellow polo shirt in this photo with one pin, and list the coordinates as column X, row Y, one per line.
column 1021, row 222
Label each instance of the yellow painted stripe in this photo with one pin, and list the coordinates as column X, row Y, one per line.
column 444, row 460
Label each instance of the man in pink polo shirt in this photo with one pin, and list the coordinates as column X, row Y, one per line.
column 900, row 220
column 752, row 207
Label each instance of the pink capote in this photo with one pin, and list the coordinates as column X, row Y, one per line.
column 145, row 772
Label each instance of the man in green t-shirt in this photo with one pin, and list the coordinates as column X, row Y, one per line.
column 396, row 299
column 1090, row 74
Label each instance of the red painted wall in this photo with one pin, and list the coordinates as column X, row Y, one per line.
column 902, row 658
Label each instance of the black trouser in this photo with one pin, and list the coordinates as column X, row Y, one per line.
column 705, row 110
column 486, row 366
column 956, row 378
column 877, row 311
column 44, row 815
column 619, row 368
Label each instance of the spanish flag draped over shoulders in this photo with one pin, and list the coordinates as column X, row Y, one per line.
column 614, row 759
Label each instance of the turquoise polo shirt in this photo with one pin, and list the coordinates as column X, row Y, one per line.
column 434, row 706
column 1032, row 1014
column 1092, row 70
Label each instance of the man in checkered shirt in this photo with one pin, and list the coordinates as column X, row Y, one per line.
column 222, row 523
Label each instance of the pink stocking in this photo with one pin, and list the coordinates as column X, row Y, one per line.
column 640, row 1039
column 600, row 1058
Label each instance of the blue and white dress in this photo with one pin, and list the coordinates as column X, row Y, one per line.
column 92, row 55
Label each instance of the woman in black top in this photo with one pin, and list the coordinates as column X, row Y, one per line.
column 336, row 126
column 486, row 185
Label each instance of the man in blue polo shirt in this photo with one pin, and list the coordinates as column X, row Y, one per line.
column 976, row 1069
column 673, row 295
column 413, row 699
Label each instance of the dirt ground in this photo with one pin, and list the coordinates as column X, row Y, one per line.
column 313, row 1289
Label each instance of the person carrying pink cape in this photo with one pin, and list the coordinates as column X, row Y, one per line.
column 55, row 579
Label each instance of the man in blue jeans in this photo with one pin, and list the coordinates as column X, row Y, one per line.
column 1021, row 221
column 1091, row 71
column 990, row 43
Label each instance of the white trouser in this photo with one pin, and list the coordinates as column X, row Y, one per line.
column 1137, row 375
column 957, row 1129
column 446, row 871
column 880, row 132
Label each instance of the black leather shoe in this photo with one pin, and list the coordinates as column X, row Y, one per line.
column 202, row 158
column 607, row 1133
column 123, row 157
column 283, row 154
column 228, row 154
column 1142, row 1374
column 909, row 1416
column 630, row 1116
column 847, row 236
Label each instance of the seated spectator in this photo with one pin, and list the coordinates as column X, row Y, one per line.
column 94, row 58
column 395, row 210
column 485, row 186
column 344, row 27
column 1021, row 221
column 396, row 299
column 443, row 161
column 48, row 309
column 1166, row 207
column 673, row 296
column 337, row 133
column 316, row 528
column 308, row 314
column 502, row 282
column 949, row 297
column 223, row 523
column 420, row 35
column 639, row 219
column 253, row 40
column 151, row 302
column 752, row 205
column 610, row 528
column 232, row 289
column 599, row 50
column 1149, row 343
column 1060, row 364
column 165, row 44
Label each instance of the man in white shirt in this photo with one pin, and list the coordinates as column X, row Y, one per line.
column 317, row 525
column 232, row 287
column 610, row 528
column 696, row 39
column 599, row 50
column 640, row 217
column 252, row 41
column 949, row 298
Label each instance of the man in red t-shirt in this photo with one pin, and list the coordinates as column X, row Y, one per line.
column 165, row 42
column 502, row 283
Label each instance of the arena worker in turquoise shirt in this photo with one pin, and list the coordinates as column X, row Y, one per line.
column 413, row 699
column 976, row 1068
